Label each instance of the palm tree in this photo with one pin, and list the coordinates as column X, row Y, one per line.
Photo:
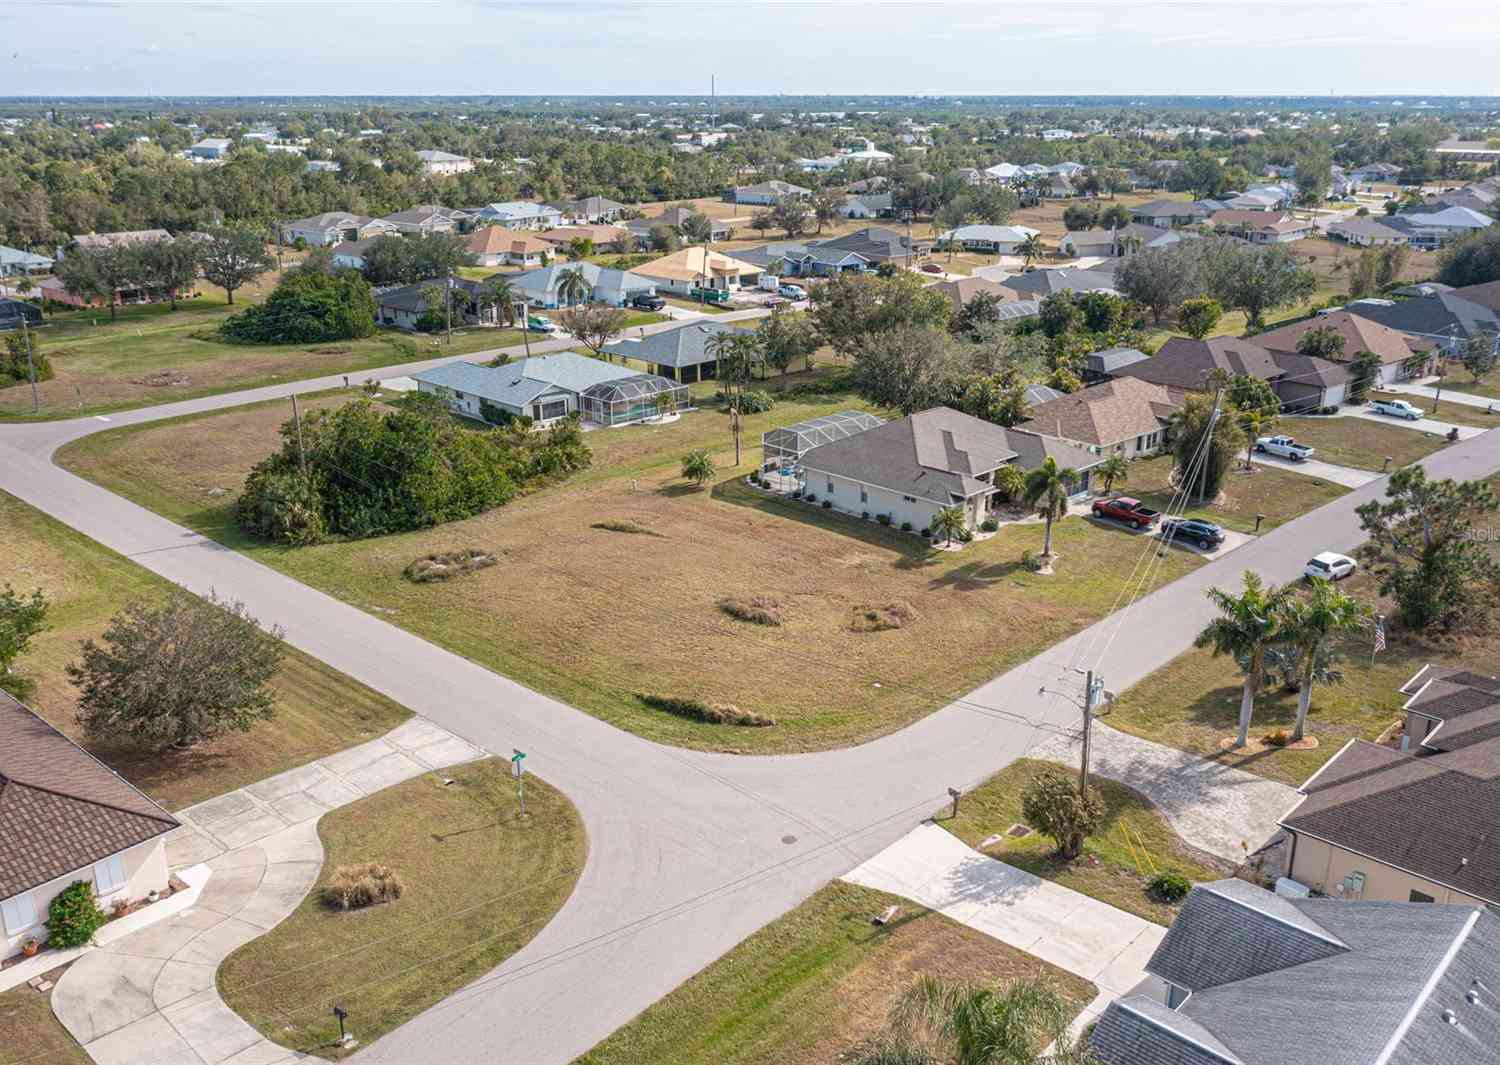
column 698, row 467
column 1253, row 421
column 1312, row 625
column 572, row 287
column 1031, row 248
column 1249, row 623
column 937, row 1022
column 1047, row 490
column 1114, row 470
column 949, row 522
column 498, row 292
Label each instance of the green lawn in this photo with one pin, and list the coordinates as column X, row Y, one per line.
column 1278, row 495
column 30, row 1034
column 810, row 986
column 1134, row 842
column 154, row 355
column 1360, row 443
column 319, row 710
column 1453, row 413
column 479, row 883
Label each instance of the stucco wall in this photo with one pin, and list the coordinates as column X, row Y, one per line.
column 1322, row 866
column 145, row 871
column 846, row 497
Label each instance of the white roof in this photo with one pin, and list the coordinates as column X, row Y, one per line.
column 998, row 234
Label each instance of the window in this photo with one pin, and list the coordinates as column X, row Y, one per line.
column 830, row 486
column 18, row 914
column 109, row 875
column 908, row 499
column 545, row 412
column 864, row 497
column 1417, row 896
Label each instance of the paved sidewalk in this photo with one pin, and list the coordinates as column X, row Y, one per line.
column 1072, row 931
column 1344, row 475
column 1216, row 808
column 150, row 998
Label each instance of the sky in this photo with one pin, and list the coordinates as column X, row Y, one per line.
column 664, row 47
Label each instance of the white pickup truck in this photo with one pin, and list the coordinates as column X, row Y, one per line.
column 1396, row 408
column 1284, row 447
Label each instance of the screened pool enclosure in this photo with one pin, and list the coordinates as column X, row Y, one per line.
column 782, row 449
column 632, row 399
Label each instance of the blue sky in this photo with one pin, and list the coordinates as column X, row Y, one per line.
column 1249, row 47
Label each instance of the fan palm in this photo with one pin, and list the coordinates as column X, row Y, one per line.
column 1313, row 625
column 498, row 292
column 1114, row 470
column 1031, row 248
column 949, row 522
column 1047, row 489
column 1248, row 624
column 698, row 467
column 572, row 287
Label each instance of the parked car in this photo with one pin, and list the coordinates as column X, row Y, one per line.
column 1131, row 511
column 1396, row 408
column 647, row 302
column 1205, row 534
column 536, row 323
column 931, row 268
column 1284, row 447
column 1330, row 565
column 793, row 292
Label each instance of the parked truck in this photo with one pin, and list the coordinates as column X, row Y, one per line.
column 1283, row 447
column 1131, row 511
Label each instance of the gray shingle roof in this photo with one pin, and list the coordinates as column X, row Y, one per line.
column 686, row 345
column 517, row 383
column 1040, row 283
column 876, row 243
column 1443, row 313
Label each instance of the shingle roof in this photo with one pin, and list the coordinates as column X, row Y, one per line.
column 1360, row 334
column 426, row 212
column 122, row 239
column 1046, row 282
column 1486, row 294
column 496, row 240
column 1107, row 413
column 1443, row 313
column 684, row 345
column 328, row 220
column 1185, row 363
column 1365, row 227
column 610, row 285
column 695, row 263
column 875, row 243
column 517, row 383
column 1112, row 359
column 962, row 290
column 60, row 808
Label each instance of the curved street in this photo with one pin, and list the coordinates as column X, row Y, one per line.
column 688, row 852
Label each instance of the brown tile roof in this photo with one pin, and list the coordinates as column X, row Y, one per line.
column 598, row 234
column 60, row 808
column 1360, row 334
column 1106, row 413
column 1184, row 363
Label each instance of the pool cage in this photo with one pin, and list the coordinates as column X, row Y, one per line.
column 633, row 399
column 782, row 449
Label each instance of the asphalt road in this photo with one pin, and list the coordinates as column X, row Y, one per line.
column 689, row 852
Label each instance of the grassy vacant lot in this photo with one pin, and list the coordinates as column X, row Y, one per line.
column 1453, row 413
column 153, row 355
column 597, row 616
column 319, row 709
column 1460, row 380
column 814, row 984
column 30, row 1034
column 1132, row 845
column 1277, row 494
column 479, row 883
column 1361, row 443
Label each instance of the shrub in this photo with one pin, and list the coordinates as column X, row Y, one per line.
column 926, row 533
column 810, row 498
column 906, row 526
column 13, row 365
column 762, row 610
column 1170, row 887
column 989, row 525
column 865, row 514
column 709, row 713
column 308, row 307
column 1030, row 561
column 620, row 525
column 964, row 536
column 1052, row 803
column 884, row 519
column 74, row 916
column 755, row 402
column 449, row 564
column 896, row 615
column 353, row 887
column 796, row 493
column 827, row 504
column 755, row 478
column 1278, row 738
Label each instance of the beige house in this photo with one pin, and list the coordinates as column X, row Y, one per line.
column 695, row 267
column 498, row 246
column 1125, row 415
column 64, row 817
column 1413, row 822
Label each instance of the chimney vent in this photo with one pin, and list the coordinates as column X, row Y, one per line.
column 1473, row 997
column 1450, row 1017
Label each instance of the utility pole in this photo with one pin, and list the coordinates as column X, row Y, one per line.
column 1213, row 421
column 520, row 311
column 1091, row 690
column 448, row 304
column 301, row 448
column 30, row 366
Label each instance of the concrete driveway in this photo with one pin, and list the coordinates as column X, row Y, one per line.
column 1326, row 471
column 1448, row 395
column 1430, row 426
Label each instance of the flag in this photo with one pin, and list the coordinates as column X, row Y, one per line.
column 1379, row 635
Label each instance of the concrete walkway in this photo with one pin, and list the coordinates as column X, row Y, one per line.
column 1430, row 426
column 1088, row 938
column 150, row 998
column 1327, row 471
column 1216, row 808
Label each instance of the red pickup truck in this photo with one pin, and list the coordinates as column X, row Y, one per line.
column 1131, row 511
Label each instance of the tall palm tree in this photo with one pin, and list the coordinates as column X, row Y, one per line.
column 1313, row 626
column 1248, row 624
column 499, row 293
column 1031, row 249
column 1047, row 489
column 1253, row 421
column 572, row 287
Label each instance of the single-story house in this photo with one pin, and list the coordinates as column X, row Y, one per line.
column 1486, row 294
column 428, row 218
column 1123, row 241
column 591, row 209
column 1102, row 365
column 498, row 246
column 1006, row 173
column 404, row 305
column 680, row 353
column 697, row 267
column 1262, row 227
column 1366, row 232
column 1088, row 243
column 604, row 238
column 51, row 288
column 914, row 467
column 1248, row 977
column 14, row 312
column 123, row 239
column 783, row 447
column 1164, row 214
column 1443, row 319
column 1468, row 151
column 548, row 388
column 351, row 253
column 1415, row 823
column 766, row 193
column 1393, row 347
column 14, row 262
column 1039, row 284
column 334, row 227
column 209, row 148
column 443, row 164
column 963, row 289
column 519, row 214
column 1434, row 229
column 868, row 205
column 1121, row 415
column 64, row 817
column 674, row 217
column 1371, row 173
column 1301, row 382
column 614, row 287
column 990, row 240
column 879, row 244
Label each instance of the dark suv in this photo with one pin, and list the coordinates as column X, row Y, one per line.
column 646, row 302
column 1205, row 534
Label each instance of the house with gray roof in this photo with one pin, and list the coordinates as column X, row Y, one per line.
column 766, row 193
column 519, row 214
column 912, row 468
column 591, row 209
column 1366, row 232
column 1164, row 214
column 1301, row 382
column 614, row 287
column 428, row 218
column 334, row 227
column 14, row 262
column 404, row 306
column 1039, row 284
column 878, row 244
column 1443, row 319
column 987, row 240
column 548, row 388
column 681, row 353
column 1247, row 977
column 1433, row 227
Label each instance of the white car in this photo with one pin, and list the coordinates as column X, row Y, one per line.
column 1396, row 408
column 792, row 292
column 1330, row 566
column 1283, row 446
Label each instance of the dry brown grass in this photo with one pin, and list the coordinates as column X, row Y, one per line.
column 353, row 887
column 449, row 564
column 881, row 618
column 759, row 609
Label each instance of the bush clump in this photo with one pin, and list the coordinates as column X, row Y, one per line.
column 308, row 307
column 1170, row 887
column 760, row 609
column 754, row 401
column 354, row 887
column 989, row 525
column 622, row 525
column 447, row 565
column 710, row 713
column 1278, row 738
column 895, row 615
column 13, row 365
column 74, row 916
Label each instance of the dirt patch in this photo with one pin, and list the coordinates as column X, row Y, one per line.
column 166, row 379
